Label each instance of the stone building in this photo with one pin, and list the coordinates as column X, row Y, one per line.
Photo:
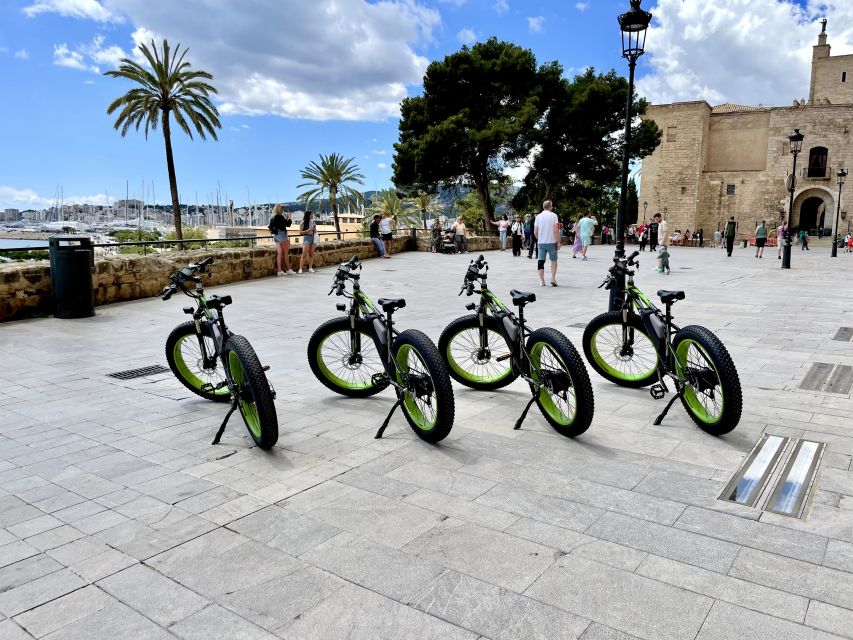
column 734, row 160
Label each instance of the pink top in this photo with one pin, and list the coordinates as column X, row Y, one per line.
column 780, row 231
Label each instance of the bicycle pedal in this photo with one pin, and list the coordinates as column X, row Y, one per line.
column 657, row 391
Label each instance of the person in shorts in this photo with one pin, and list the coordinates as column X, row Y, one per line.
column 385, row 231
column 546, row 230
column 307, row 230
column 586, row 227
column 760, row 239
column 278, row 227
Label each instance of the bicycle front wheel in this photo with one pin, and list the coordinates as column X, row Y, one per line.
column 479, row 366
column 346, row 363
column 627, row 357
column 713, row 395
column 183, row 353
column 427, row 396
column 565, row 396
column 254, row 396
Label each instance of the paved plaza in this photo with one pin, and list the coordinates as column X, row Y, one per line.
column 119, row 519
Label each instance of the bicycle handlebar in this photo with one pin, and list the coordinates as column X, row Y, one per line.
column 343, row 273
column 182, row 275
column 475, row 272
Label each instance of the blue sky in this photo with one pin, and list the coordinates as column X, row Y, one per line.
column 300, row 78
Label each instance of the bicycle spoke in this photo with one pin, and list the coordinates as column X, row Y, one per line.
column 336, row 352
column 465, row 352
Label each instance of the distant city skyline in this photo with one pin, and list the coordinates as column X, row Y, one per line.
column 294, row 84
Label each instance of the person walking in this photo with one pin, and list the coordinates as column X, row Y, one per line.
column 663, row 231
column 308, row 231
column 528, row 231
column 460, row 236
column 586, row 227
column 533, row 245
column 718, row 238
column 546, row 230
column 436, row 236
column 386, row 233
column 701, row 238
column 643, row 237
column 731, row 231
column 577, row 245
column 780, row 238
column 804, row 240
column 760, row 239
column 503, row 227
column 517, row 230
column 278, row 228
column 653, row 232
column 374, row 235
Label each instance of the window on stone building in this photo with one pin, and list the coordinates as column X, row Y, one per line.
column 817, row 162
column 786, row 148
column 843, row 76
column 730, row 189
column 671, row 134
column 683, row 190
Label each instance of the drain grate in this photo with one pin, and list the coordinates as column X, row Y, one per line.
column 831, row 378
column 780, row 474
column 138, row 373
column 844, row 334
column 579, row 325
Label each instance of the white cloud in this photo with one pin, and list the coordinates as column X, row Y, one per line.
column 501, row 6
column 88, row 82
column 466, row 36
column 88, row 57
column 344, row 60
column 379, row 152
column 741, row 51
column 14, row 198
column 22, row 54
column 382, row 165
column 244, row 126
column 535, row 23
column 582, row 6
column 64, row 57
column 90, row 9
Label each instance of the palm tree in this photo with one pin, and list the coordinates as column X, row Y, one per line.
column 167, row 87
column 332, row 178
column 402, row 211
column 426, row 203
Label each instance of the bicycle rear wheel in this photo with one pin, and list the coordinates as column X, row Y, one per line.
column 254, row 396
column 183, row 353
column 713, row 395
column 627, row 358
column 468, row 363
column 565, row 398
column 427, row 398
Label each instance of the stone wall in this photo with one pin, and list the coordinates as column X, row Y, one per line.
column 25, row 288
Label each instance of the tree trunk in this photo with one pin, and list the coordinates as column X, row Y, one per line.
column 488, row 207
column 333, row 201
column 173, row 181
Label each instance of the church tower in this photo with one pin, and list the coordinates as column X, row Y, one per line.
column 832, row 76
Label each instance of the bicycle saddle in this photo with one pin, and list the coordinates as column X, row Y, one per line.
column 390, row 304
column 521, row 298
column 668, row 297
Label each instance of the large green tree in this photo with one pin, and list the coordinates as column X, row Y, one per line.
column 580, row 145
column 334, row 177
column 632, row 209
column 478, row 113
column 167, row 86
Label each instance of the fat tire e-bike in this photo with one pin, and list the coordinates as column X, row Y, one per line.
column 639, row 345
column 216, row 364
column 361, row 354
column 492, row 347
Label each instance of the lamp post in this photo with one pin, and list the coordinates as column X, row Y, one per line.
column 633, row 24
column 645, row 206
column 796, row 140
column 841, row 175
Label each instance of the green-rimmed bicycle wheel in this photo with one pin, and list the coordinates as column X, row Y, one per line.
column 712, row 396
column 624, row 356
column 254, row 397
column 183, row 353
column 427, row 397
column 470, row 362
column 565, row 398
column 344, row 365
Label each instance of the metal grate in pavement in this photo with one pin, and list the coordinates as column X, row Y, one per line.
column 844, row 334
column 579, row 325
column 779, row 475
column 138, row 373
column 831, row 378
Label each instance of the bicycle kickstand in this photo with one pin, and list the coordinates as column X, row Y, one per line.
column 668, row 405
column 524, row 413
column 224, row 422
column 387, row 420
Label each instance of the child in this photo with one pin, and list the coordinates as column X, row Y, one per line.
column 663, row 261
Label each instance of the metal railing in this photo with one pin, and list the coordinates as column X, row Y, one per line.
column 817, row 173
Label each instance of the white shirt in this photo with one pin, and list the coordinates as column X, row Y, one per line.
column 384, row 225
column 544, row 227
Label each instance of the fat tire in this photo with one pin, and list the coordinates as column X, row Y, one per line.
column 615, row 318
column 455, row 328
column 432, row 360
column 585, row 403
column 259, row 387
column 183, row 331
column 727, row 374
column 328, row 328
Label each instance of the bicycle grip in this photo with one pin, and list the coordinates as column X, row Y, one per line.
column 167, row 293
column 207, row 261
column 632, row 256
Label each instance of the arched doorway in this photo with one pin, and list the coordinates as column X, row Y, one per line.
column 813, row 208
column 812, row 211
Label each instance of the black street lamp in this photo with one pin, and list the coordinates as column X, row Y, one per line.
column 841, row 175
column 633, row 24
column 645, row 206
column 796, row 140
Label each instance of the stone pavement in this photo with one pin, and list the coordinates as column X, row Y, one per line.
column 119, row 519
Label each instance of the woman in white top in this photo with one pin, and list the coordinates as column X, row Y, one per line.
column 460, row 236
column 502, row 225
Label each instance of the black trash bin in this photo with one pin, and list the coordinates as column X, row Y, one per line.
column 72, row 259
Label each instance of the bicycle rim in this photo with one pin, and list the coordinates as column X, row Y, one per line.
column 705, row 404
column 562, row 407
column 335, row 359
column 421, row 409
column 190, row 363
column 248, row 408
column 606, row 346
column 463, row 356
